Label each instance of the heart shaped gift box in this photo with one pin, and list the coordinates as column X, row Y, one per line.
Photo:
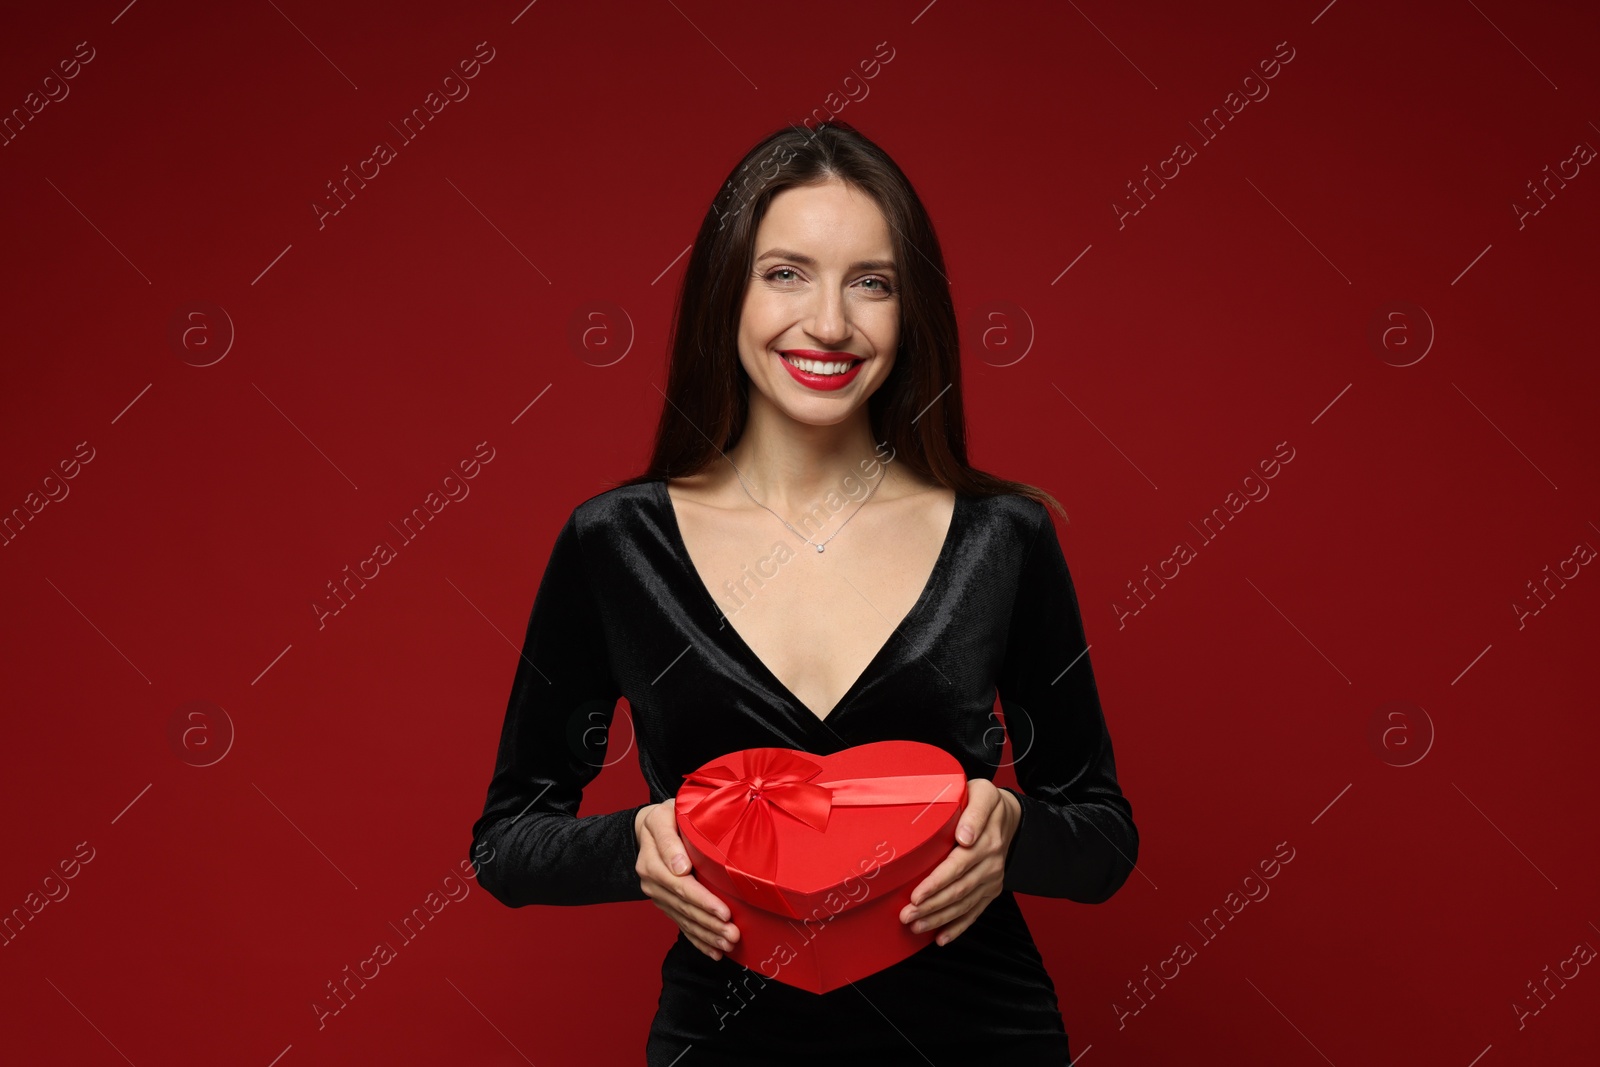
column 815, row 855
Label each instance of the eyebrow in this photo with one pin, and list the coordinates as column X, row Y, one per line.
column 806, row 261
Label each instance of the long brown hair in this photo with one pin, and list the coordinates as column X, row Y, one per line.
column 918, row 408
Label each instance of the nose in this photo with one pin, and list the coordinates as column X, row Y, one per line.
column 830, row 320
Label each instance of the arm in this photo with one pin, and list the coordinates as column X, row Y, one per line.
column 1077, row 838
column 530, row 844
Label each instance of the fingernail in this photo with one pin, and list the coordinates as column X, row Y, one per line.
column 911, row 915
column 964, row 835
column 723, row 945
column 680, row 865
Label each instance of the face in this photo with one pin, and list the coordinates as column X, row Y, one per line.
column 823, row 295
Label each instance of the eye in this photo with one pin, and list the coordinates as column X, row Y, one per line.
column 771, row 275
column 885, row 286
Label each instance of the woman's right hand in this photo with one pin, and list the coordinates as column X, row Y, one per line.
column 664, row 875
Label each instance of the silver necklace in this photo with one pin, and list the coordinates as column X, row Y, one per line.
column 819, row 546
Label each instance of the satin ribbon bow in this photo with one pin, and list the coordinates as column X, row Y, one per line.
column 739, row 815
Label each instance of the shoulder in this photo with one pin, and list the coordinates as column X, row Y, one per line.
column 1016, row 518
column 614, row 511
column 1008, row 516
column 603, row 529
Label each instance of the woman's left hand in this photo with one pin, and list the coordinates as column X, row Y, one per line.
column 955, row 893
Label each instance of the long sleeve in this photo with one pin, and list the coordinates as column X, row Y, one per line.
column 530, row 845
column 1077, row 838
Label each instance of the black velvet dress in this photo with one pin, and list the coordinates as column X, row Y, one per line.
column 621, row 611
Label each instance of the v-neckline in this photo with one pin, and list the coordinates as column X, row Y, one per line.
column 681, row 548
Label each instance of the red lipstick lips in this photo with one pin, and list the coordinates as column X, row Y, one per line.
column 820, row 382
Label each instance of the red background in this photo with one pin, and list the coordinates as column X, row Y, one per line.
column 365, row 358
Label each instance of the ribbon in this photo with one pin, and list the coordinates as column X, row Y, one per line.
column 739, row 814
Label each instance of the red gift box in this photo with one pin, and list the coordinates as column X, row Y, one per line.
column 815, row 856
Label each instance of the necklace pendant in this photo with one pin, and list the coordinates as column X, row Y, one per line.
column 819, row 548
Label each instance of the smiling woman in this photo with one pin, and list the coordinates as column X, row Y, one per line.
column 856, row 304
column 813, row 330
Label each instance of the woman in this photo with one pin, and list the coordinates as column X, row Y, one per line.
column 809, row 562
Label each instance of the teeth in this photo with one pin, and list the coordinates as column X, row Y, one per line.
column 815, row 366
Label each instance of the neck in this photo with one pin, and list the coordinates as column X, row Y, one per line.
column 792, row 466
